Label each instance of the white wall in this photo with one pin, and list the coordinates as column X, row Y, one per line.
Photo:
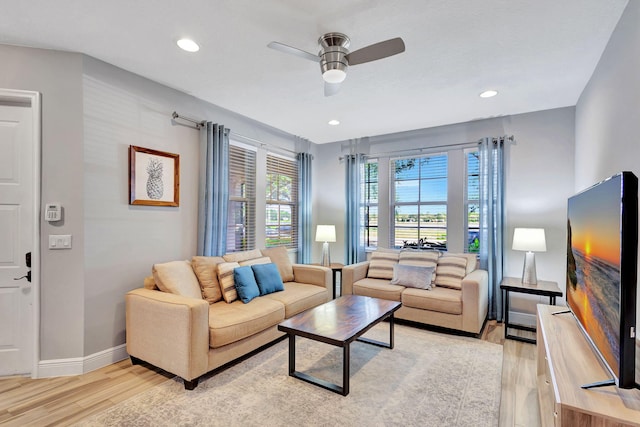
column 607, row 125
column 57, row 76
column 539, row 179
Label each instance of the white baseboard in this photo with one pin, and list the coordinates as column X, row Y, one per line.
column 81, row 365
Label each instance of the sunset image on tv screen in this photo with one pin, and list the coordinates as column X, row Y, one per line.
column 593, row 265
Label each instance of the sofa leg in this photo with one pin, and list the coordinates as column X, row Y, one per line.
column 190, row 385
column 135, row 360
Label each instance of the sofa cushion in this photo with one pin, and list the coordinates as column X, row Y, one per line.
column 242, row 255
column 232, row 322
column 280, row 257
column 254, row 261
column 227, row 283
column 444, row 300
column 412, row 276
column 381, row 264
column 298, row 297
column 378, row 288
column 177, row 277
column 245, row 283
column 450, row 271
column 420, row 259
column 206, row 269
column 472, row 260
column 268, row 278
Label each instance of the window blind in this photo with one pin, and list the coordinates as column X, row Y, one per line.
column 420, row 201
column 282, row 202
column 370, row 193
column 241, row 223
column 472, row 201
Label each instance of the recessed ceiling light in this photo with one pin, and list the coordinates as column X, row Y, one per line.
column 334, row 122
column 488, row 93
column 188, row 45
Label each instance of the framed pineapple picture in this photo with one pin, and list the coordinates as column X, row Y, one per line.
column 154, row 177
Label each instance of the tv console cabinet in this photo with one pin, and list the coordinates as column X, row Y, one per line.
column 566, row 361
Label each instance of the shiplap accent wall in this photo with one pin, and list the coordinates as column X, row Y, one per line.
column 122, row 242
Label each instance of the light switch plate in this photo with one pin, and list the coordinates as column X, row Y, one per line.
column 60, row 241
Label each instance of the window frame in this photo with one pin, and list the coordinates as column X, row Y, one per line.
column 468, row 201
column 419, row 203
column 368, row 204
column 282, row 166
column 249, row 199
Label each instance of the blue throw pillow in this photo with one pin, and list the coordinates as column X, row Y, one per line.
column 268, row 278
column 246, row 285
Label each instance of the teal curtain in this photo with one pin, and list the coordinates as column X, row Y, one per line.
column 354, row 246
column 304, row 208
column 492, row 218
column 213, row 190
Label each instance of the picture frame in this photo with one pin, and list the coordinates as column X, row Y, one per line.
column 154, row 177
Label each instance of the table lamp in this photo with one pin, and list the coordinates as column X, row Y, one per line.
column 326, row 234
column 530, row 240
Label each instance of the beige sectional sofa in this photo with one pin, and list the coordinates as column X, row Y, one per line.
column 458, row 294
column 186, row 321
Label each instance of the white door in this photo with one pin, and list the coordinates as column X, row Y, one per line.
column 17, row 145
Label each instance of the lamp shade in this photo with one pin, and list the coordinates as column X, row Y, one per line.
column 326, row 233
column 529, row 239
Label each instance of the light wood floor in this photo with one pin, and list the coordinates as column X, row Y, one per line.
column 65, row 400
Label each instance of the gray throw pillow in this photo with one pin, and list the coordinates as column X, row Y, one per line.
column 412, row 276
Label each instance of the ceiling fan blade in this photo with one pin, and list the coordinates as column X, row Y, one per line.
column 376, row 51
column 294, row 51
column 331, row 89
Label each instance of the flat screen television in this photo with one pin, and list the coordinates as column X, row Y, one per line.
column 602, row 253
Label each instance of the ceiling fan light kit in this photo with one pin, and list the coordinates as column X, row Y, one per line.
column 334, row 56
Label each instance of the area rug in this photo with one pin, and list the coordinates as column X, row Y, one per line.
column 428, row 379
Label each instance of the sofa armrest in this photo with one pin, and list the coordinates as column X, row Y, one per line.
column 169, row 331
column 314, row 275
column 475, row 300
column 351, row 274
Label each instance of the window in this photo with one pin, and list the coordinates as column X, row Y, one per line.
column 242, row 199
column 282, row 202
column 419, row 194
column 370, row 194
column 472, row 201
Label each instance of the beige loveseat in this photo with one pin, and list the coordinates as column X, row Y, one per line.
column 458, row 294
column 182, row 323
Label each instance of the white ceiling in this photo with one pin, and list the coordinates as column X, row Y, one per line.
column 538, row 53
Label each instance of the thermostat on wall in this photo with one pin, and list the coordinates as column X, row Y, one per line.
column 53, row 212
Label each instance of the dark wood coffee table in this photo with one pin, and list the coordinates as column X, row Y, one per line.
column 338, row 322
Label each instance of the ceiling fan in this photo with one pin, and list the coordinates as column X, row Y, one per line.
column 334, row 56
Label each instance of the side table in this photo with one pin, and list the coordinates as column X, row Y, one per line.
column 512, row 284
column 336, row 268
